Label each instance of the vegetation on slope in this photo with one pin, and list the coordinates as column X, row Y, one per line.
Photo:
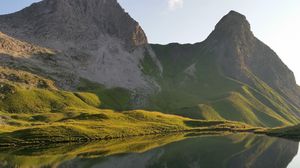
column 194, row 86
column 33, row 115
column 111, row 98
column 82, row 125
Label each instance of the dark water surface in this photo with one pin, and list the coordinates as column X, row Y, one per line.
column 173, row 151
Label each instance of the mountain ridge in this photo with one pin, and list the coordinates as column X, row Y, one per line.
column 227, row 75
column 232, row 25
column 74, row 20
column 91, row 39
column 97, row 47
column 245, row 53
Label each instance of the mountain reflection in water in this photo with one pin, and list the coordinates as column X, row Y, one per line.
column 173, row 151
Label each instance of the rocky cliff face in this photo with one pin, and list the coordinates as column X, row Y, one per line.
column 92, row 39
column 241, row 55
column 17, row 48
column 74, row 20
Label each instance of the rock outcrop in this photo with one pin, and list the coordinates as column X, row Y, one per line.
column 17, row 48
column 75, row 21
column 241, row 55
column 92, row 39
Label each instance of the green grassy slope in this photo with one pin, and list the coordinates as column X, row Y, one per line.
column 34, row 115
column 193, row 86
column 112, row 98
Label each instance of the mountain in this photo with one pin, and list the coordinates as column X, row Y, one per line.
column 63, row 61
column 231, row 75
column 73, row 21
column 33, row 111
column 95, row 40
column 96, row 56
column 17, row 48
column 247, row 56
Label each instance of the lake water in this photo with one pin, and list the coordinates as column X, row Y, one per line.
column 173, row 151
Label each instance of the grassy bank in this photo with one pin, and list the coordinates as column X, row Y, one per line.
column 91, row 125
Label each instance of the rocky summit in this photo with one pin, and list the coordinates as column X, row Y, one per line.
column 241, row 55
column 73, row 20
column 231, row 74
column 92, row 39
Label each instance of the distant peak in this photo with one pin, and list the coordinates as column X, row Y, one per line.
column 233, row 21
column 77, row 4
column 234, row 13
column 82, row 1
column 234, row 18
column 233, row 24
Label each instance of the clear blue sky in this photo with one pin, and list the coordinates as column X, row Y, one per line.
column 275, row 22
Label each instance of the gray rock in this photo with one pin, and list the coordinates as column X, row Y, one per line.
column 92, row 39
column 241, row 54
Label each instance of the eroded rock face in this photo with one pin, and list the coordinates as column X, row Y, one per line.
column 14, row 47
column 92, row 39
column 74, row 20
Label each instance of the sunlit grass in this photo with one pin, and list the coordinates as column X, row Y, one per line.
column 33, row 115
column 193, row 85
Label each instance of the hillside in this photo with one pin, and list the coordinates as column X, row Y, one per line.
column 34, row 111
column 198, row 89
column 73, row 65
column 91, row 39
column 227, row 77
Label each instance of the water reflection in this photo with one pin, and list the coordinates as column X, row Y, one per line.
column 296, row 161
column 174, row 151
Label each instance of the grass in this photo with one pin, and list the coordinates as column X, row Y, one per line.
column 36, row 100
column 42, row 114
column 193, row 86
column 89, row 98
column 85, row 125
column 244, row 107
column 111, row 98
column 46, row 126
column 32, row 115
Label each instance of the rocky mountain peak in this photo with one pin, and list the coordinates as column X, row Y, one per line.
column 232, row 26
column 92, row 39
column 74, row 20
column 243, row 57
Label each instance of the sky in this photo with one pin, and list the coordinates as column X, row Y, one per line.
column 275, row 22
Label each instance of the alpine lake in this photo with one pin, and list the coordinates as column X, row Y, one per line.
column 171, row 151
